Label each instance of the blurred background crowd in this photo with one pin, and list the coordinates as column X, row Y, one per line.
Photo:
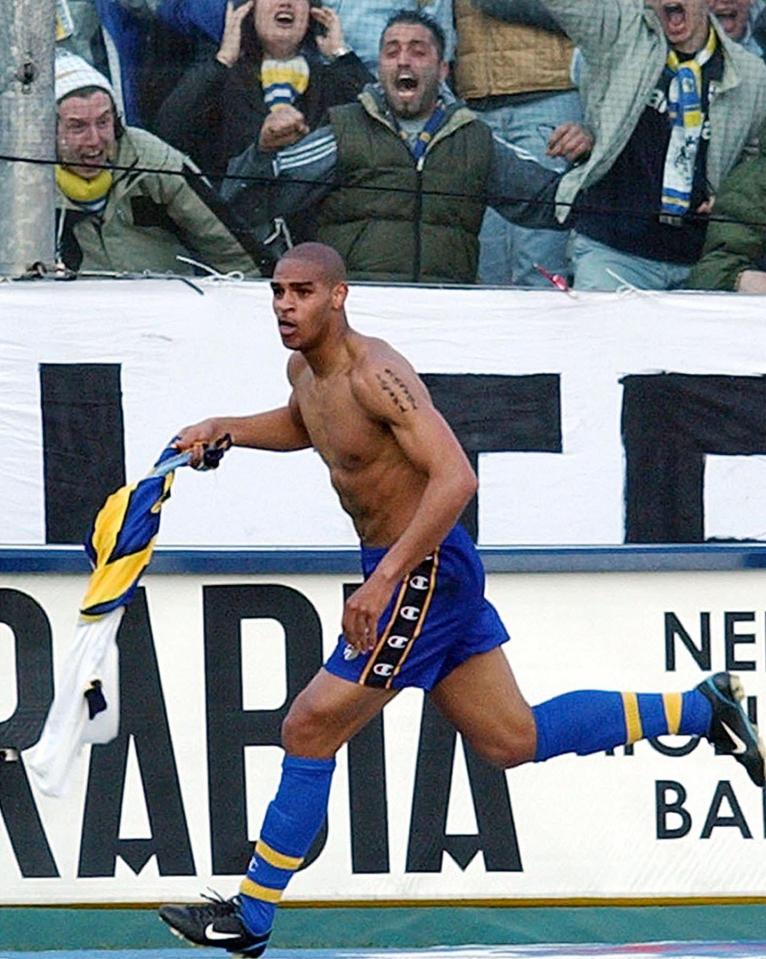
column 535, row 143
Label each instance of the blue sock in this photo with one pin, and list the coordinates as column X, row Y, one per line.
column 590, row 720
column 294, row 817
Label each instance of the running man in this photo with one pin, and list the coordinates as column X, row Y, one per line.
column 420, row 618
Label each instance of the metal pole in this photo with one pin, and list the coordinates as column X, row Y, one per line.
column 28, row 130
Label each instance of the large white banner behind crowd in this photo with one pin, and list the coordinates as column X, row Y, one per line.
column 209, row 662
column 546, row 389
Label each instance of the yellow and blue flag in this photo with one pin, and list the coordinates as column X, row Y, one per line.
column 86, row 704
column 121, row 540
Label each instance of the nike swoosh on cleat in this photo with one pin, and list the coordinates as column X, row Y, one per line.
column 739, row 745
column 212, row 933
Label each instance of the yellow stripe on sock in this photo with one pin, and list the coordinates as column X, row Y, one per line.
column 278, row 859
column 257, row 891
column 632, row 718
column 672, row 703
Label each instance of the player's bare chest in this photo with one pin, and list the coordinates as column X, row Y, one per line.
column 340, row 430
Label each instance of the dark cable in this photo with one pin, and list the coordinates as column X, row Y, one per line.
column 250, row 178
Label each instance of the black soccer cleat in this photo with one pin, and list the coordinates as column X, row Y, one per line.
column 215, row 923
column 731, row 732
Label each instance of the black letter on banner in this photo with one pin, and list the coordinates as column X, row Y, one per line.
column 433, row 781
column 368, row 795
column 673, row 629
column 664, row 749
column 83, row 447
column 229, row 726
column 737, row 819
column 669, row 423
column 142, row 716
column 732, row 639
column 495, row 414
column 34, row 692
column 663, row 807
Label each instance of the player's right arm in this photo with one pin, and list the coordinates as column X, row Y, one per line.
column 281, row 429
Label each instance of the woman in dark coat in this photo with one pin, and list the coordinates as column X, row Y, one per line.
column 285, row 60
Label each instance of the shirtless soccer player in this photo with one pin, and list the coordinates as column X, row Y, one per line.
column 403, row 478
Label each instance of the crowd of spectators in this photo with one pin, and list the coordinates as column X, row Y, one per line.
column 534, row 143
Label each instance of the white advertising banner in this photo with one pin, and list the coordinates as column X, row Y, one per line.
column 208, row 663
column 592, row 418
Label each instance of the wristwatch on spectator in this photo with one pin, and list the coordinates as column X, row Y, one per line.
column 340, row 52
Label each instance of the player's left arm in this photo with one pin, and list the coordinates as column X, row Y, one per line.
column 392, row 393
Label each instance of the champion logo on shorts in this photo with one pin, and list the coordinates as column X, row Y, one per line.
column 405, row 625
column 410, row 612
column 398, row 642
column 350, row 653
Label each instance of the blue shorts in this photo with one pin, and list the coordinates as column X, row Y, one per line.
column 436, row 619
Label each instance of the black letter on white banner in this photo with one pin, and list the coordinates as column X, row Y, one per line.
column 230, row 727
column 669, row 423
column 142, row 716
column 34, row 691
column 732, row 639
column 665, row 806
column 83, row 446
column 714, row 819
column 701, row 654
column 496, row 837
column 494, row 414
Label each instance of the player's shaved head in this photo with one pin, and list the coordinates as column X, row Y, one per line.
column 327, row 261
column 310, row 290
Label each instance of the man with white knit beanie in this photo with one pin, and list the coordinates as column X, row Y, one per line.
column 127, row 202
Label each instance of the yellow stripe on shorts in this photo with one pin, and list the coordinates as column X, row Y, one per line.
column 257, row 891
column 672, row 703
column 632, row 718
column 277, row 859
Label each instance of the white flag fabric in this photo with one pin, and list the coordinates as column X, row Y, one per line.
column 91, row 668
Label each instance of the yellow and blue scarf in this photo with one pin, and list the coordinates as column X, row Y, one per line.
column 283, row 81
column 91, row 194
column 685, row 111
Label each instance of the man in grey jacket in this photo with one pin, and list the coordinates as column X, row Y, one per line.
column 673, row 103
column 126, row 201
